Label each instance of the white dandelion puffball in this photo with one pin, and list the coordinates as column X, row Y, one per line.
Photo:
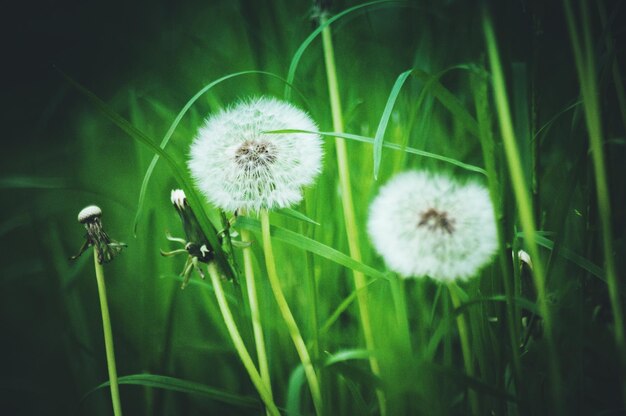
column 426, row 224
column 236, row 165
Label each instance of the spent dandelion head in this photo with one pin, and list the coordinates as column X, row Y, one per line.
column 430, row 225
column 106, row 247
column 238, row 165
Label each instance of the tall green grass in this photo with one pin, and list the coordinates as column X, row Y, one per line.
column 526, row 101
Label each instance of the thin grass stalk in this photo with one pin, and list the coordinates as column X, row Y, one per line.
column 583, row 55
column 240, row 347
column 108, row 335
column 524, row 204
column 488, row 148
column 360, row 282
column 285, row 311
column 466, row 348
column 398, row 293
column 255, row 314
column 307, row 230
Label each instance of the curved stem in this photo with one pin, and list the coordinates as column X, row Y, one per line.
column 108, row 336
column 255, row 313
column 465, row 345
column 238, row 342
column 360, row 282
column 292, row 327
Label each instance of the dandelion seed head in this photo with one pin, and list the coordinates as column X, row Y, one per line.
column 89, row 213
column 237, row 165
column 426, row 224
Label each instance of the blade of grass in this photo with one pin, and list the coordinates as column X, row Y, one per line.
column 347, row 203
column 305, row 243
column 364, row 139
column 384, row 119
column 524, row 204
column 585, row 65
column 183, row 386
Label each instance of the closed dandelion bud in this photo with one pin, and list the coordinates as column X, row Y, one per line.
column 429, row 225
column 106, row 247
column 237, row 165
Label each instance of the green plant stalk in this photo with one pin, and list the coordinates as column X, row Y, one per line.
column 360, row 282
column 466, row 349
column 398, row 293
column 587, row 78
column 108, row 335
column 255, row 314
column 488, row 145
column 240, row 347
column 524, row 205
column 283, row 306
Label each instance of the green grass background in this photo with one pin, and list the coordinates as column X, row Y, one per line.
column 147, row 59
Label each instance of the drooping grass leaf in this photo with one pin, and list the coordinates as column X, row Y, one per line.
column 31, row 182
column 568, row 254
column 292, row 213
column 305, row 243
column 393, row 146
column 183, row 386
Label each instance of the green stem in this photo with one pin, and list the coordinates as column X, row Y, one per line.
column 240, row 347
column 292, row 327
column 488, row 148
column 360, row 282
column 398, row 294
column 465, row 344
column 255, row 313
column 585, row 65
column 108, row 335
column 524, row 204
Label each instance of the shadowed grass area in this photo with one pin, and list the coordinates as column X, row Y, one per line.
column 528, row 101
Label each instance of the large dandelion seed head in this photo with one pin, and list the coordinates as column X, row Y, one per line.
column 236, row 165
column 429, row 225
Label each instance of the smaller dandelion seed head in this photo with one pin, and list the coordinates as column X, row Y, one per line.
column 89, row 213
column 238, row 164
column 431, row 225
column 178, row 198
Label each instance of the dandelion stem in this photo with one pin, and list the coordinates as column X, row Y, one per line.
column 465, row 344
column 292, row 327
column 108, row 335
column 524, row 204
column 255, row 313
column 360, row 282
column 240, row 347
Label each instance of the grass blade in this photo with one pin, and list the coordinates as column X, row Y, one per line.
column 183, row 386
column 384, row 120
column 305, row 243
column 364, row 139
